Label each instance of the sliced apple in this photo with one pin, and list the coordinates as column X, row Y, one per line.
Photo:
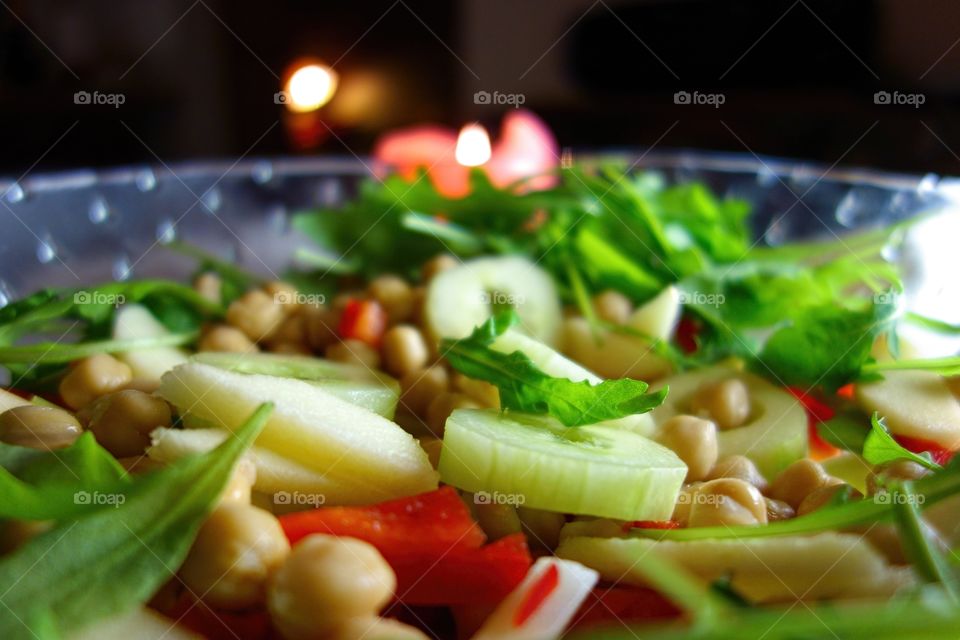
column 135, row 322
column 917, row 404
column 308, row 425
column 275, row 473
column 556, row 364
column 762, row 570
column 775, row 433
column 460, row 299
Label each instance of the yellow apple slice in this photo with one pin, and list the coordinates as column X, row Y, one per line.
column 917, row 404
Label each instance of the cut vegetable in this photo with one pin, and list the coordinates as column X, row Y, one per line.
column 10, row 400
column 541, row 607
column 774, row 435
column 761, row 570
column 462, row 298
column 142, row 624
column 553, row 363
column 658, row 316
column 310, row 426
column 535, row 461
column 916, row 404
column 611, row 354
column 276, row 475
column 135, row 322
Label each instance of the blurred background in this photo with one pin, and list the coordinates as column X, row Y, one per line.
column 99, row 82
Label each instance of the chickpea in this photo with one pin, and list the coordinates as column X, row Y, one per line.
column 779, row 510
column 325, row 582
column 291, row 348
column 432, row 446
column 404, row 350
column 374, row 628
column 419, row 388
column 613, row 306
column 209, row 285
column 93, row 377
column 442, row 406
column 236, row 551
column 542, row 527
column 681, row 510
column 256, row 314
column 354, row 352
column 419, row 295
column 821, row 497
column 799, row 480
column 726, row 402
column 394, row 295
column 239, row 488
column 741, row 467
column 436, row 265
column 727, row 501
column 227, row 339
column 283, row 294
column 122, row 421
column 293, row 330
column 39, row 427
column 694, row 440
column 479, row 390
column 320, row 327
column 895, row 470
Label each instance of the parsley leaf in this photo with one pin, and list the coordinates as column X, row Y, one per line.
column 524, row 387
column 880, row 447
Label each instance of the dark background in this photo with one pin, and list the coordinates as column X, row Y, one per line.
column 199, row 76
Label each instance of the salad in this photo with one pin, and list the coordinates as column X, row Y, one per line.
column 595, row 409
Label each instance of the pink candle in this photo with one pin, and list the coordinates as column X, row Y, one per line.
column 526, row 147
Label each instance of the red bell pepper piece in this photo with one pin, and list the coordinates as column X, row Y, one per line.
column 363, row 320
column 686, row 334
column 940, row 455
column 817, row 412
column 438, row 520
column 622, row 604
column 462, row 576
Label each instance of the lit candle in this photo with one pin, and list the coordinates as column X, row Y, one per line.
column 526, row 147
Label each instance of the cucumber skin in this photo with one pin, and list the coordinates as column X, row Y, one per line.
column 475, row 462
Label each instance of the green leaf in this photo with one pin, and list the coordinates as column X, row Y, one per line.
column 113, row 558
column 929, row 563
column 846, row 430
column 60, row 353
column 46, row 485
column 524, row 387
column 947, row 366
column 880, row 447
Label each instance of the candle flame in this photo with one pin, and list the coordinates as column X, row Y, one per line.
column 309, row 87
column 473, row 146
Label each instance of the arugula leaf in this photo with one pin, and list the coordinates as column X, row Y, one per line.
column 827, row 346
column 47, row 485
column 524, row 387
column 59, row 353
column 880, row 447
column 110, row 559
column 947, row 366
column 926, row 558
column 846, row 430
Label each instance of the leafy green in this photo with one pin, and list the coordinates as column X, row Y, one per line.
column 524, row 387
column 879, row 447
column 114, row 557
column 929, row 563
column 827, row 346
column 234, row 280
column 947, row 366
column 49, row 485
column 59, row 353
column 846, row 430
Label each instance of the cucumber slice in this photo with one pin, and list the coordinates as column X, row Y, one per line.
column 134, row 322
column 553, row 363
column 308, row 425
column 762, row 570
column 275, row 473
column 537, row 462
column 373, row 390
column 775, row 434
column 460, row 299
